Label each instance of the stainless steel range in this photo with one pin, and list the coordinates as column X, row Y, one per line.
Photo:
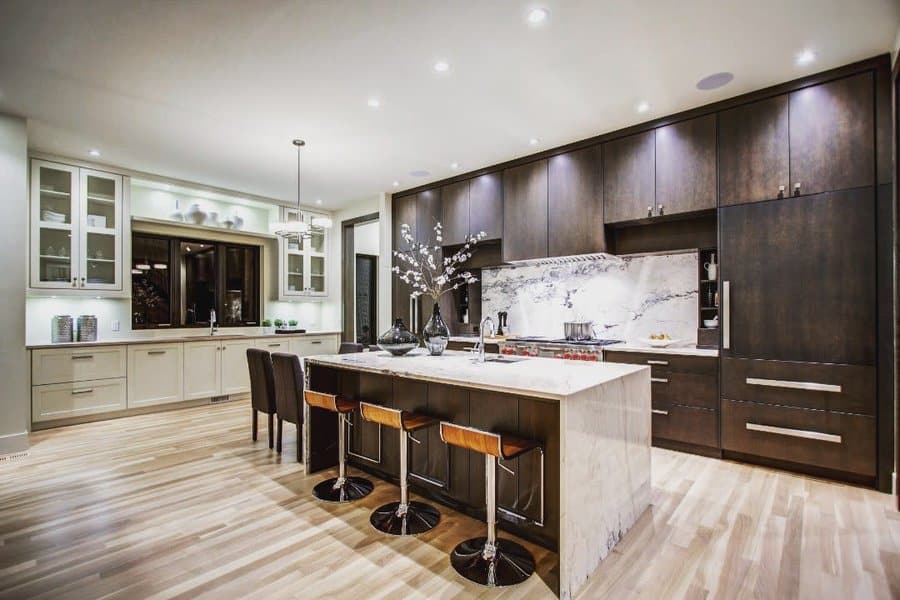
column 588, row 350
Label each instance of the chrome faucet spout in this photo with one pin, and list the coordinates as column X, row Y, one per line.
column 213, row 325
column 485, row 322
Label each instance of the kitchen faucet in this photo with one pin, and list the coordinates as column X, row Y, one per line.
column 213, row 326
column 484, row 322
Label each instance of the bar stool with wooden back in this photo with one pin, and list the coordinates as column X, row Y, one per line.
column 262, row 389
column 340, row 488
column 487, row 560
column 405, row 517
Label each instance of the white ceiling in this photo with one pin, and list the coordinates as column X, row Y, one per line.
column 214, row 91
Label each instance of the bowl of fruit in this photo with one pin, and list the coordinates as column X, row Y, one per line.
column 661, row 340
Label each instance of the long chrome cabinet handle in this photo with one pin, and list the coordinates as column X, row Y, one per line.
column 87, row 391
column 658, row 380
column 82, row 356
column 658, row 362
column 657, row 411
column 726, row 315
column 800, row 433
column 811, row 386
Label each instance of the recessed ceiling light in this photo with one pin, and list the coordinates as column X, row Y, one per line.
column 374, row 102
column 441, row 66
column 94, row 153
column 396, row 184
column 805, row 57
column 419, row 173
column 319, row 201
column 642, row 107
column 715, row 81
column 536, row 16
column 534, row 142
column 454, row 166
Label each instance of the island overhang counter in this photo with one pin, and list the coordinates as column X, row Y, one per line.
column 578, row 497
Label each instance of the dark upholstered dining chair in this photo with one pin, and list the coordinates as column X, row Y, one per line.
column 262, row 389
column 288, row 395
column 350, row 348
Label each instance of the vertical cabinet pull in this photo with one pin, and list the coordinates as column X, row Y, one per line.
column 726, row 315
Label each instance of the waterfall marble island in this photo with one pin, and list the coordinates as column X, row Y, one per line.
column 577, row 497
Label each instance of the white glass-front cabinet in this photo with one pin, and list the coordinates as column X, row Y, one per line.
column 77, row 229
column 302, row 265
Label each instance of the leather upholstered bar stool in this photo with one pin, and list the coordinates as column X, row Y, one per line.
column 488, row 560
column 340, row 488
column 350, row 348
column 262, row 389
column 288, row 396
column 405, row 517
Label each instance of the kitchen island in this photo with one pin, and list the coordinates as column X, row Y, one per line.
column 593, row 420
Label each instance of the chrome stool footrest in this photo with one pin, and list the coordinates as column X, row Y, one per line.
column 415, row 518
column 335, row 490
column 505, row 563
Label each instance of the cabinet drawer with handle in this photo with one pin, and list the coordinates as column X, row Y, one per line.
column 660, row 363
column 686, row 424
column 841, row 388
column 313, row 345
column 66, row 400
column 61, row 365
column 687, row 389
column 827, row 440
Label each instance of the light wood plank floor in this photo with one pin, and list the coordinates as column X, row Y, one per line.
column 184, row 505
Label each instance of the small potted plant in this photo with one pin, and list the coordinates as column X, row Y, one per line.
column 292, row 324
column 279, row 324
column 267, row 326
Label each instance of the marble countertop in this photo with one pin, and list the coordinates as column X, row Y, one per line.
column 159, row 339
column 474, row 339
column 538, row 377
column 682, row 350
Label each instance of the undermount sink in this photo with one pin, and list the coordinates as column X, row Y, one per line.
column 504, row 360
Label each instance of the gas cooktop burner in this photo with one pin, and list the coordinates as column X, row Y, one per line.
column 564, row 342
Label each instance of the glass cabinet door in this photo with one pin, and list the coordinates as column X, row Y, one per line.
column 303, row 258
column 101, row 227
column 55, row 222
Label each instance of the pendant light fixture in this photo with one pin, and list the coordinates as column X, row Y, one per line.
column 298, row 228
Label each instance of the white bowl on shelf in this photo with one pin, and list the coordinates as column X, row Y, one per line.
column 711, row 322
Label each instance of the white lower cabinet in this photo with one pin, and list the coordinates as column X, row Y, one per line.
column 313, row 345
column 202, row 369
column 61, row 365
column 274, row 344
column 155, row 374
column 76, row 399
column 235, row 372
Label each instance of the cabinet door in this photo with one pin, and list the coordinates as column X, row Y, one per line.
column 155, row 373
column 455, row 213
column 486, row 205
column 202, row 370
column 54, row 225
column 801, row 278
column 100, row 214
column 754, row 152
column 403, row 212
column 686, row 166
column 629, row 178
column 428, row 214
column 525, row 211
column 832, row 129
column 235, row 371
column 292, row 266
column 315, row 257
column 575, row 215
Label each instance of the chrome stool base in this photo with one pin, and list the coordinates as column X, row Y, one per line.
column 353, row 488
column 511, row 563
column 419, row 518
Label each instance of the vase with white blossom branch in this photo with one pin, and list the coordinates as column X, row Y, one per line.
column 434, row 277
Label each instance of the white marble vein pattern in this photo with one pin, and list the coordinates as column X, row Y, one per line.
column 605, row 473
column 628, row 297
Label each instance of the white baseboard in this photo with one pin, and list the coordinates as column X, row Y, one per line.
column 13, row 443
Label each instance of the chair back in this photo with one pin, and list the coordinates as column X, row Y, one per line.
column 350, row 348
column 262, row 380
column 288, row 387
column 470, row 438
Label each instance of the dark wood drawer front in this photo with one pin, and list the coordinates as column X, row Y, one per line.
column 823, row 439
column 842, row 388
column 686, row 389
column 686, row 424
column 702, row 365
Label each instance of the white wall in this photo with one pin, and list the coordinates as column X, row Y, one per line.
column 14, row 369
column 365, row 238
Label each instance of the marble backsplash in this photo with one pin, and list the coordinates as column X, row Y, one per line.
column 627, row 297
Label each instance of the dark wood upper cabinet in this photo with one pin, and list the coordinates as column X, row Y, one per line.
column 486, row 205
column 428, row 214
column 686, row 166
column 525, row 211
column 575, row 200
column 629, row 177
column 403, row 211
column 832, row 132
column 754, row 152
column 455, row 212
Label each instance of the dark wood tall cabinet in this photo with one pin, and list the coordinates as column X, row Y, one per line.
column 525, row 234
column 686, row 166
column 629, row 177
column 575, row 203
column 471, row 206
column 403, row 211
column 455, row 212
